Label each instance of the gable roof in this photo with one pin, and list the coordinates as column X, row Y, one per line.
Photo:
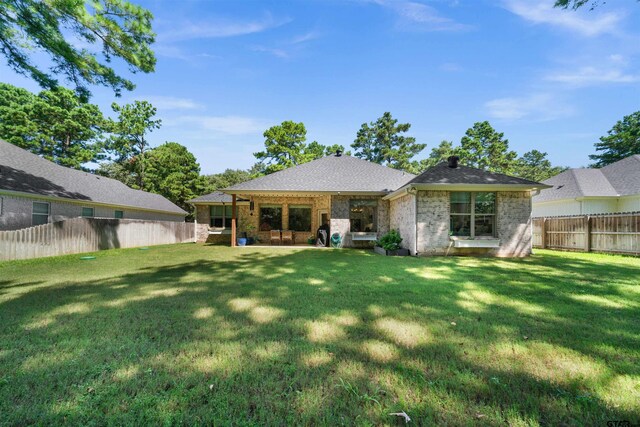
column 464, row 175
column 215, row 197
column 25, row 172
column 624, row 175
column 621, row 178
column 330, row 174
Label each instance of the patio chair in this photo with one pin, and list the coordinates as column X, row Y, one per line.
column 275, row 237
column 287, row 236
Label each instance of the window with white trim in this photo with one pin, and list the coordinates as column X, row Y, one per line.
column 472, row 214
column 40, row 213
column 221, row 216
column 363, row 215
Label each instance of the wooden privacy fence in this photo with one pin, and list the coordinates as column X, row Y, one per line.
column 77, row 235
column 614, row 233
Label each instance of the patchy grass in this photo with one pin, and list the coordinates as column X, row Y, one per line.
column 193, row 334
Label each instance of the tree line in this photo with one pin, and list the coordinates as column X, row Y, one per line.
column 59, row 125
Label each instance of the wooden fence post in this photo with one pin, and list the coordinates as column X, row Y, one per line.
column 543, row 232
column 587, row 230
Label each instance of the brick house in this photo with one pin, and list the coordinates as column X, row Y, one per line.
column 448, row 209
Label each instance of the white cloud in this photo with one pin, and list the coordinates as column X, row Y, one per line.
column 609, row 70
column 308, row 36
column 231, row 125
column 535, row 107
column 172, row 103
column 542, row 12
column 280, row 53
column 218, row 28
column 419, row 16
column 588, row 76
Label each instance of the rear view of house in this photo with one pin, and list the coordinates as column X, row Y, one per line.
column 449, row 209
column 35, row 191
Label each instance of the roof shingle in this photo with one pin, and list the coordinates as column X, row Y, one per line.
column 443, row 174
column 329, row 174
column 621, row 178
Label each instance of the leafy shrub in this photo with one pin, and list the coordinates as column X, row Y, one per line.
column 390, row 241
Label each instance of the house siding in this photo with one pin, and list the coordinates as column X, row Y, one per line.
column 433, row 222
column 16, row 212
column 402, row 216
column 569, row 207
column 513, row 225
column 340, row 219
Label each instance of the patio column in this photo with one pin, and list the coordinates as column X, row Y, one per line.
column 233, row 221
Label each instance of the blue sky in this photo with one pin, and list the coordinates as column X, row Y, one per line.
column 549, row 79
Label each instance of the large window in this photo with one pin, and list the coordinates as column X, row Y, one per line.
column 270, row 217
column 40, row 213
column 472, row 214
column 363, row 215
column 221, row 216
column 299, row 218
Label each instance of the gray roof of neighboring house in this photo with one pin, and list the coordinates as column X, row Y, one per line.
column 25, row 172
column 624, row 175
column 443, row 174
column 215, row 197
column 329, row 174
column 621, row 178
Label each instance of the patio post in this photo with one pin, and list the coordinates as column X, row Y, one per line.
column 233, row 221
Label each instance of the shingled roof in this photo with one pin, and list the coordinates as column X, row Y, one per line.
column 331, row 174
column 621, row 178
column 215, row 197
column 24, row 172
column 464, row 175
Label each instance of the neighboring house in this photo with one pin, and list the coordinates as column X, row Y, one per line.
column 35, row 191
column 614, row 188
column 448, row 209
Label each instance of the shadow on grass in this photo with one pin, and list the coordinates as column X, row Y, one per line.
column 326, row 337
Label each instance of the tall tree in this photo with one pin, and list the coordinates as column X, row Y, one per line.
column 483, row 147
column 285, row 146
column 534, row 166
column 129, row 135
column 438, row 154
column 55, row 124
column 381, row 142
column 172, row 171
column 225, row 179
column 58, row 28
column 623, row 140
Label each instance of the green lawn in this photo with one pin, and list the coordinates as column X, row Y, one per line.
column 193, row 334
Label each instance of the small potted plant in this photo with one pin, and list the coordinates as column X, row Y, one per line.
column 250, row 232
column 389, row 245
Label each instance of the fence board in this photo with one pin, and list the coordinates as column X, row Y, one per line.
column 80, row 235
column 612, row 233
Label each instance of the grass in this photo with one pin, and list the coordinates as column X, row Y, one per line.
column 194, row 334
